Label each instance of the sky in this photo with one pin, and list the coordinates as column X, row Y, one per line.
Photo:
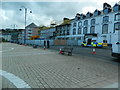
column 44, row 12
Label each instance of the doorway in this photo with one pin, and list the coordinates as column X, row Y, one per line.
column 89, row 41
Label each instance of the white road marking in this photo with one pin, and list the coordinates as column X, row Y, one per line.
column 12, row 48
column 27, row 54
column 7, row 50
column 114, row 85
column 19, row 83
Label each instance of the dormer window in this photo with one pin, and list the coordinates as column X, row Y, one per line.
column 82, row 16
column 106, row 10
column 106, row 5
column 97, row 12
column 116, row 8
column 89, row 14
column 77, row 17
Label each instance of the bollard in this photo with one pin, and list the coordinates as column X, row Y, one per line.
column 44, row 48
column 94, row 51
column 60, row 51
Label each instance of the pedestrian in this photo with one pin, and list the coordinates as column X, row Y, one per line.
column 44, row 43
column 48, row 45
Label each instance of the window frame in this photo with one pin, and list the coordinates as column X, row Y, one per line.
column 103, row 29
column 74, row 24
column 91, row 29
column 115, row 17
column 85, row 32
column 80, row 24
column 105, row 21
column 79, row 30
column 86, row 23
column 116, row 8
column 92, row 21
column 74, row 31
column 115, row 28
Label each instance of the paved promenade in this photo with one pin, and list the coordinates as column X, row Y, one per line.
column 39, row 68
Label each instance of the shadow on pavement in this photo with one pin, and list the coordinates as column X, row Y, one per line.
column 116, row 60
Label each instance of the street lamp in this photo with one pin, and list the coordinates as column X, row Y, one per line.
column 25, row 20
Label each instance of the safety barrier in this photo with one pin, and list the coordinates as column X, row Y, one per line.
column 52, row 42
column 36, row 42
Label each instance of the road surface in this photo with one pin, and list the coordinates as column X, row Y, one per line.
column 38, row 68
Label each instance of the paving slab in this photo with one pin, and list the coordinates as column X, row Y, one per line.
column 41, row 68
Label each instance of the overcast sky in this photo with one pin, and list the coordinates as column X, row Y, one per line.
column 45, row 12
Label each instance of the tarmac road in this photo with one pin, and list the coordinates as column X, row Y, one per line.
column 103, row 54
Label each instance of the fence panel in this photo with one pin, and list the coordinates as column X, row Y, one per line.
column 60, row 42
column 80, row 42
column 72, row 42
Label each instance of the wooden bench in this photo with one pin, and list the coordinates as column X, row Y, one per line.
column 68, row 50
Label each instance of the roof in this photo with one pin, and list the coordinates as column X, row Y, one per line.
column 65, row 22
column 102, row 13
column 32, row 25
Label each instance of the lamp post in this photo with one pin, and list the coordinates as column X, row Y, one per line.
column 25, row 21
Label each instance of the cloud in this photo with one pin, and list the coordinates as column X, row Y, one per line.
column 45, row 12
column 86, row 1
column 88, row 8
column 2, row 15
column 100, row 2
column 5, row 17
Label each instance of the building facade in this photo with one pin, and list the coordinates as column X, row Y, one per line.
column 98, row 26
column 31, row 30
column 48, row 33
column 63, row 30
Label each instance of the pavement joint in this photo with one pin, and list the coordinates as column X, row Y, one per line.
column 48, row 69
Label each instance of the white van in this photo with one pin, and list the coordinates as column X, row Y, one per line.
column 116, row 44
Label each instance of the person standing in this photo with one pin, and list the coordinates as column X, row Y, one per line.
column 48, row 45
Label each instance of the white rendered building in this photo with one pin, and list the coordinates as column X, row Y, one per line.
column 99, row 25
